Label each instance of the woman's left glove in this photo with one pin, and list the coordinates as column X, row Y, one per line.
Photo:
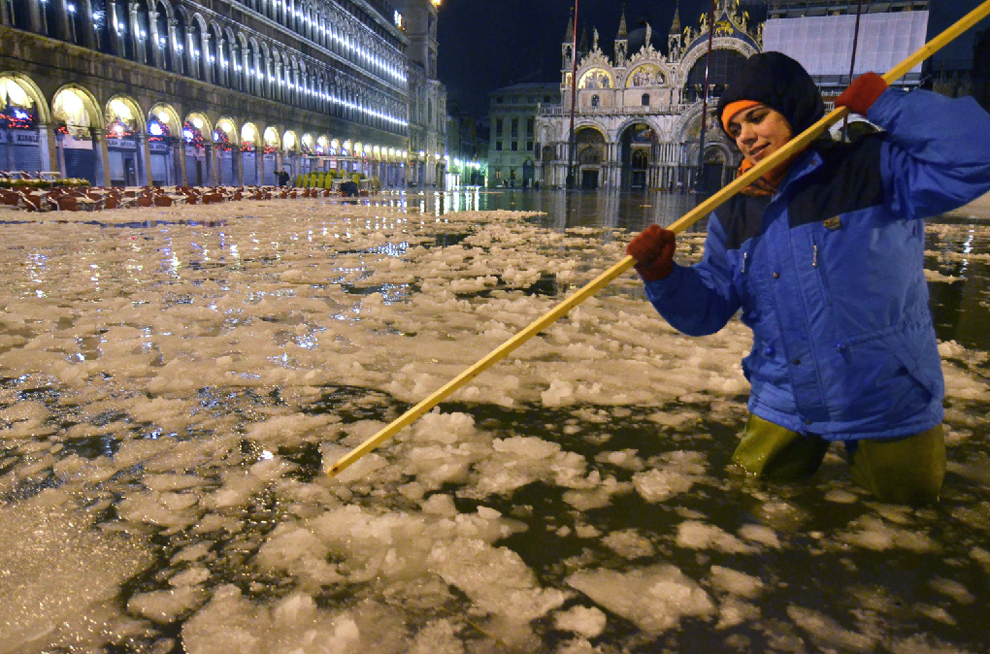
column 653, row 249
column 862, row 93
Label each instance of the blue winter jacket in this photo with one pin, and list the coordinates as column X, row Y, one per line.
column 829, row 272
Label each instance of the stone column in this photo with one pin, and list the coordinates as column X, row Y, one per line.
column 34, row 15
column 135, row 33
column 62, row 20
column 176, row 56
column 207, row 65
column 237, row 165
column 156, row 51
column 143, row 159
column 48, row 143
column 179, row 152
column 88, row 37
column 211, row 164
column 221, row 72
column 102, row 167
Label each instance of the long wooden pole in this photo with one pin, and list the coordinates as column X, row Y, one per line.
column 691, row 217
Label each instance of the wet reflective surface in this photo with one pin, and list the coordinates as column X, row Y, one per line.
column 174, row 382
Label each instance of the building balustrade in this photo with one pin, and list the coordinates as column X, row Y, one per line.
column 559, row 110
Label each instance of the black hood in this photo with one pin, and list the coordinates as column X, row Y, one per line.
column 781, row 83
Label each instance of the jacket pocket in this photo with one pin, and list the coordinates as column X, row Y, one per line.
column 817, row 261
column 879, row 382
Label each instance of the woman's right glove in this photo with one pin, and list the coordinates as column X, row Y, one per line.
column 862, row 93
column 653, row 250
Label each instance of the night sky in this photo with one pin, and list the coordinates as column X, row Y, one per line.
column 485, row 44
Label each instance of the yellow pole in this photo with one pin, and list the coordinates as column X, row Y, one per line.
column 794, row 145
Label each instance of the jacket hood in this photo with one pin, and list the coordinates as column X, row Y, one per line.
column 782, row 84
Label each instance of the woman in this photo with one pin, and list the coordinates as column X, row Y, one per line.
column 824, row 256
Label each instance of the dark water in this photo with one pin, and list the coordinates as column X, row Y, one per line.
column 959, row 306
column 837, row 571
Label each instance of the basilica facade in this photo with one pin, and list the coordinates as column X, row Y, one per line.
column 135, row 92
column 637, row 114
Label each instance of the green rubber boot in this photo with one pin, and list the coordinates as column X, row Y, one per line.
column 903, row 471
column 772, row 452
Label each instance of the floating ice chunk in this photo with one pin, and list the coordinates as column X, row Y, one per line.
column 735, row 582
column 760, row 534
column 829, row 633
column 629, row 544
column 841, row 496
column 558, row 393
column 697, row 535
column 953, row 589
column 23, row 419
column 297, row 551
column 587, row 621
column 443, row 427
column 440, row 504
column 656, row 598
column 165, row 606
column 677, row 473
column 871, row 533
column 190, row 577
column 496, row 580
column 232, row 623
column 438, row 637
column 287, row 430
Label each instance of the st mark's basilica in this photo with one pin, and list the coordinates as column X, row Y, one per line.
column 637, row 113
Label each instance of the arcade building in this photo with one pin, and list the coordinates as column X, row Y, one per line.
column 226, row 92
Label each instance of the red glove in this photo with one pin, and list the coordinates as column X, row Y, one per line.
column 862, row 93
column 653, row 249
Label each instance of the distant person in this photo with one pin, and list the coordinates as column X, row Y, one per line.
column 824, row 255
column 283, row 178
column 349, row 189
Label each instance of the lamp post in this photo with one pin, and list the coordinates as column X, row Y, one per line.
column 570, row 138
column 704, row 104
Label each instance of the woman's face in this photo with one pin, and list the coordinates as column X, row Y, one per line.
column 759, row 132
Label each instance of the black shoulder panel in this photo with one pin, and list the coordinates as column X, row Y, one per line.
column 849, row 179
column 741, row 218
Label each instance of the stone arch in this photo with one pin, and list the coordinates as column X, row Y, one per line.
column 290, row 141
column 86, row 113
column 33, row 93
column 126, row 110
column 164, row 145
column 199, row 122
column 80, row 129
column 595, row 77
column 164, row 115
column 722, row 45
column 271, row 138
column 198, row 57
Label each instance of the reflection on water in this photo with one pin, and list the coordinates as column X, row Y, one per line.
column 563, row 209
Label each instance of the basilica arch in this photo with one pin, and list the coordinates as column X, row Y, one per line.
column 590, row 152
